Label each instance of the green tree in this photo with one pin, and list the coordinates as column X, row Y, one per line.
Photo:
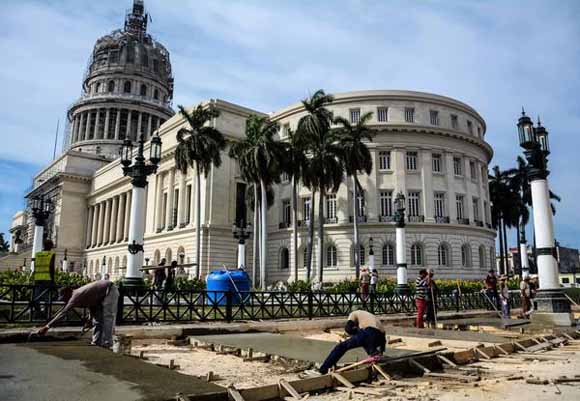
column 357, row 159
column 324, row 158
column 4, row 245
column 199, row 147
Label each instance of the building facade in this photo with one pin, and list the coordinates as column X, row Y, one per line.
column 429, row 147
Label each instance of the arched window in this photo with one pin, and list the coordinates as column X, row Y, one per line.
column 331, row 260
column 156, row 94
column 168, row 255
column 127, row 87
column 143, row 91
column 482, row 262
column 388, row 255
column 156, row 257
column 111, row 87
column 492, row 262
column 465, row 256
column 416, row 255
column 443, row 255
column 284, row 259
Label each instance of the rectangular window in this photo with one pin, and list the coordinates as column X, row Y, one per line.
column 114, row 57
column 479, row 132
column 439, row 204
column 361, row 205
column 331, row 206
column 285, row 130
column 457, row 170
column 434, row 117
column 413, row 203
column 436, row 157
column 188, row 205
column 354, row 116
column 485, row 212
column 385, row 160
column 155, row 65
column 411, row 161
column 470, row 127
column 386, row 199
column 382, row 115
column 409, row 114
column 306, row 209
column 454, row 121
column 476, row 209
column 286, row 211
column 175, row 208
column 472, row 170
column 459, row 206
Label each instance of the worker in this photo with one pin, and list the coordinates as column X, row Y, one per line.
column 504, row 296
column 433, row 293
column 101, row 297
column 421, row 296
column 365, row 280
column 525, row 296
column 374, row 281
column 491, row 288
column 366, row 331
column 43, row 277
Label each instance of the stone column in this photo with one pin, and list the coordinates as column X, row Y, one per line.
column 149, row 133
column 82, row 125
column 170, row 192
column 101, row 223
column 106, row 226
column 107, row 117
column 158, row 202
column 118, row 124
column 87, row 125
column 88, row 236
column 96, row 129
column 127, row 215
column 95, row 225
column 128, row 133
column 114, row 222
column 181, row 201
column 120, row 218
column 139, row 123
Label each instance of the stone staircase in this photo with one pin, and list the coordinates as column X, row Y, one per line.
column 12, row 261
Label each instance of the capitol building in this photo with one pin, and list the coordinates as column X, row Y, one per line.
column 429, row 147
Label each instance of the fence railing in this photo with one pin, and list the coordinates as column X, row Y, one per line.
column 30, row 304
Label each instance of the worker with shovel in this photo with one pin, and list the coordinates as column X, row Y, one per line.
column 365, row 331
column 101, row 297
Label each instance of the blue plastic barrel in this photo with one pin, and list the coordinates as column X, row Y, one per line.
column 220, row 282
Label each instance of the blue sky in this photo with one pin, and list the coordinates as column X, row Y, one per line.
column 494, row 55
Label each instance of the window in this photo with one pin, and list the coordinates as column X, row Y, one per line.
column 156, row 94
column 388, row 255
column 475, row 209
column 331, row 206
column 286, row 211
column 143, row 90
column 284, row 259
column 439, row 204
column 188, row 204
column 416, row 255
column 413, row 203
column 306, row 209
column 98, row 87
column 411, row 161
column 454, row 121
column 144, row 58
column 485, row 215
column 305, row 257
column 479, row 132
column 466, row 255
column 565, row 280
column 127, row 87
column 114, row 57
column 434, row 117
column 155, row 65
column 443, row 255
column 385, row 160
column 354, row 116
column 382, row 115
column 409, row 114
column 331, row 259
column 459, row 205
column 285, row 130
column 482, row 262
column 469, row 127
column 472, row 170
column 436, row 158
column 361, row 205
column 386, row 203
column 111, row 87
column 361, row 255
column 457, row 170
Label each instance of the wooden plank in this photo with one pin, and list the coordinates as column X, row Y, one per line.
column 362, row 390
column 447, row 361
column 462, row 378
column 288, row 387
column 365, row 361
column 520, row 346
column 235, row 394
column 568, row 336
column 483, row 354
column 382, row 372
column 418, row 365
column 501, row 350
column 342, row 379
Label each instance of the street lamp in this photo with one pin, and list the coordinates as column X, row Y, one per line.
column 138, row 171
column 65, row 261
column 402, row 284
column 553, row 306
column 41, row 208
column 371, row 255
column 103, row 268
column 242, row 233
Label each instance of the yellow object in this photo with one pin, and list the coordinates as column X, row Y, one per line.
column 42, row 261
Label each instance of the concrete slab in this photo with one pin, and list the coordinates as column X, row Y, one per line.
column 292, row 347
column 495, row 322
column 75, row 371
column 444, row 334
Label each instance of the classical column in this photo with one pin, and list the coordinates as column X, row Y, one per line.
column 139, row 123
column 107, row 117
column 102, row 214
column 128, row 132
column 118, row 124
column 170, row 192
column 88, row 125
column 89, row 227
column 127, row 214
column 181, row 200
column 96, row 208
column 96, row 129
column 82, row 125
column 158, row 200
column 36, row 242
column 121, row 218
column 114, row 222
column 106, row 226
column 149, row 132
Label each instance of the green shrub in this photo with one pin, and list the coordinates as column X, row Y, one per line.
column 189, row 284
column 346, row 285
column 299, row 286
column 62, row 279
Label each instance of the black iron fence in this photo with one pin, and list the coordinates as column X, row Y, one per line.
column 29, row 304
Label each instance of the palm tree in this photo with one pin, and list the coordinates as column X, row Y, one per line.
column 260, row 157
column 356, row 159
column 324, row 160
column 254, row 201
column 199, row 146
column 501, row 197
column 4, row 245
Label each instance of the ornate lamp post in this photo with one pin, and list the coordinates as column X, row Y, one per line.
column 104, row 268
column 402, row 284
column 371, row 255
column 524, row 252
column 138, row 171
column 553, row 306
column 242, row 234
column 65, row 262
column 41, row 209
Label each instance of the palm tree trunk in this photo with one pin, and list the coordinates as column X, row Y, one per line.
column 295, row 228
column 506, row 247
column 256, row 237
column 264, row 237
column 519, row 242
column 501, row 247
column 198, row 222
column 320, row 236
column 355, row 227
column 310, row 238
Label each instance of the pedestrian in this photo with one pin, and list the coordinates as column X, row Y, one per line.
column 491, row 288
column 421, row 293
column 101, row 297
column 159, row 275
column 533, row 291
column 43, row 278
column 170, row 279
column 365, row 280
column 374, row 281
column 432, row 297
column 504, row 295
column 366, row 331
column 525, row 297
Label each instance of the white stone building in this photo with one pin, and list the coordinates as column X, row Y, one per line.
column 429, row 147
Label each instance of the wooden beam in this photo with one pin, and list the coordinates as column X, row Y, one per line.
column 447, row 361
column 235, row 394
column 342, row 379
column 418, row 365
column 291, row 390
column 362, row 390
column 501, row 350
column 382, row 372
column 483, row 354
column 520, row 346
